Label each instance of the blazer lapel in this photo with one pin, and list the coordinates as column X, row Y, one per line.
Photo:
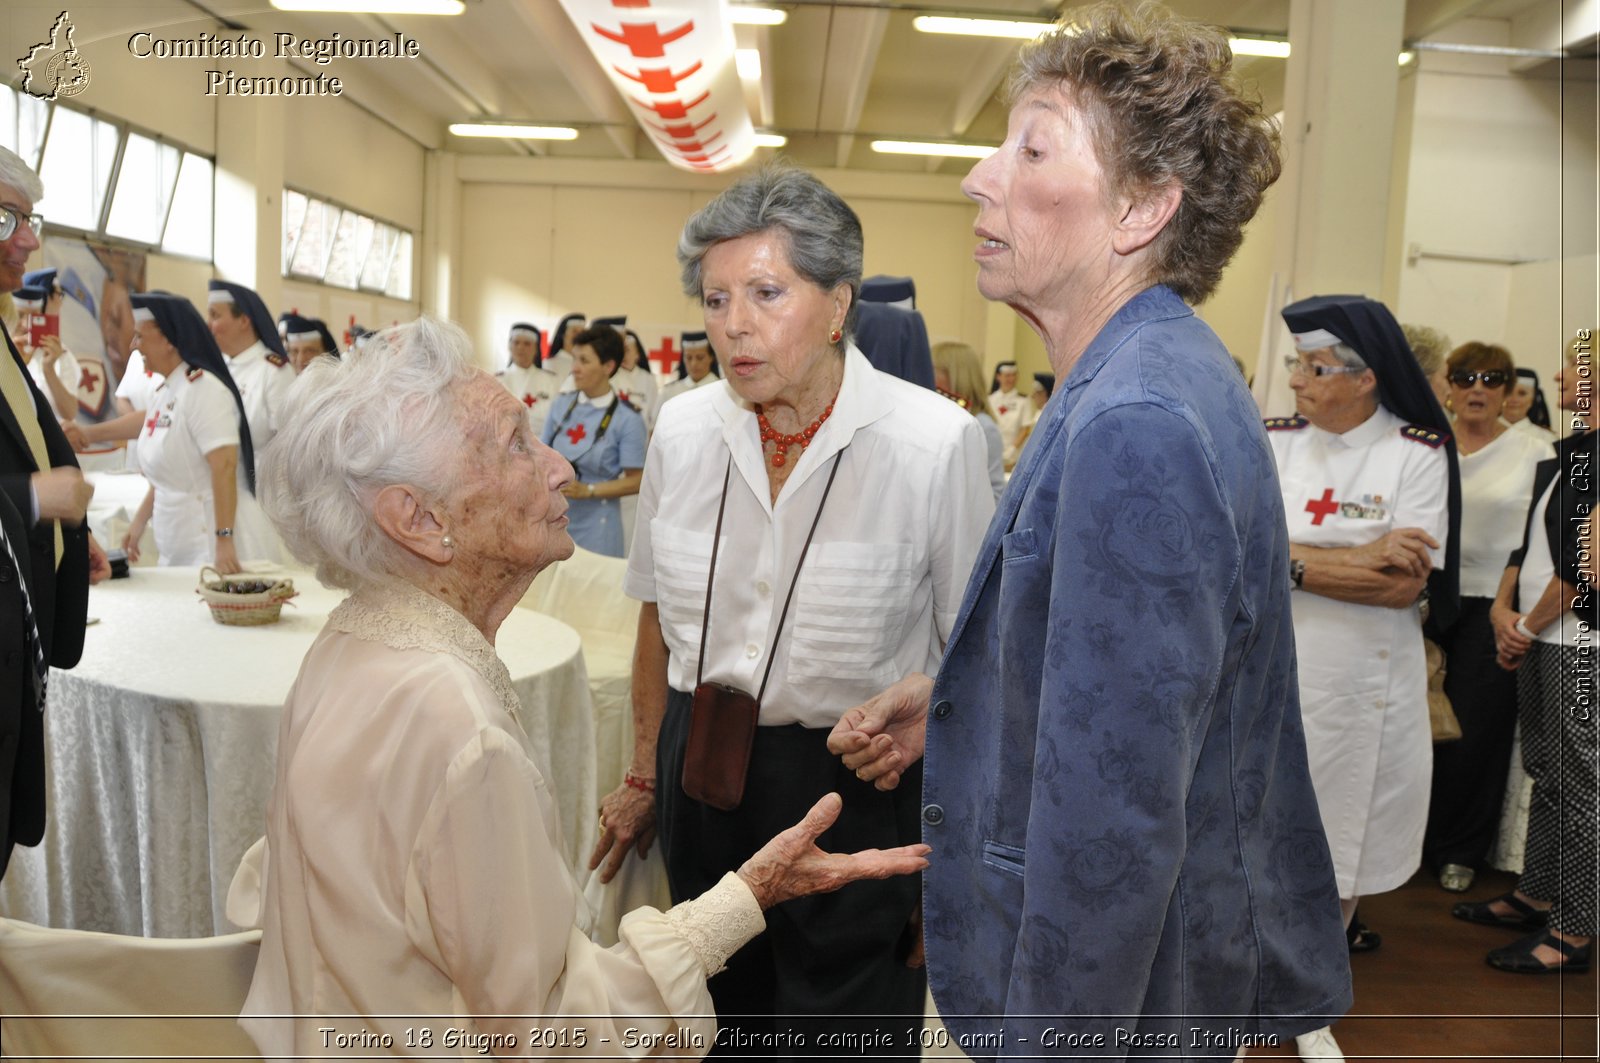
column 8, row 416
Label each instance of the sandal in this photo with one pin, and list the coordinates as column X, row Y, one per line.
column 1526, row 916
column 1518, row 957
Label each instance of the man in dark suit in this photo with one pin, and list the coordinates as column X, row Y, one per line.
column 46, row 494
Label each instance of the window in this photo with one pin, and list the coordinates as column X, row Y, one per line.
column 190, row 219
column 103, row 178
column 344, row 248
column 79, row 157
column 144, row 189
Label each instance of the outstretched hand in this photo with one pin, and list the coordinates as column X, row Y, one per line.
column 791, row 865
column 627, row 823
column 884, row 737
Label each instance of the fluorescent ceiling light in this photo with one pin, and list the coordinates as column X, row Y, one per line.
column 981, row 27
column 513, row 131
column 1257, row 46
column 740, row 15
column 771, row 140
column 375, row 7
column 1407, row 57
column 916, row 147
column 748, row 62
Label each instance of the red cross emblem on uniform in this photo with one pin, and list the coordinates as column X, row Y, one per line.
column 1003, row 410
column 150, row 425
column 623, row 395
column 576, row 433
column 1321, row 507
column 528, row 400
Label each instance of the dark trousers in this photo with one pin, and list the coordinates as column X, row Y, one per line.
column 829, row 976
column 1469, row 775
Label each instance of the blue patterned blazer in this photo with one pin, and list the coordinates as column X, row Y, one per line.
column 1125, row 839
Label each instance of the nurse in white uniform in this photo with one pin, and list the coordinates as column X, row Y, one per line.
column 698, row 368
column 194, row 447
column 257, row 360
column 525, row 376
column 1371, row 500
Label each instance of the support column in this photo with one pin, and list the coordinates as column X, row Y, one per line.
column 1335, row 195
column 441, row 234
column 248, row 241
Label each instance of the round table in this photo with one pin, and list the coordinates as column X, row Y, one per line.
column 160, row 748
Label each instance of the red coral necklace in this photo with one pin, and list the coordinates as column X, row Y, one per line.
column 781, row 443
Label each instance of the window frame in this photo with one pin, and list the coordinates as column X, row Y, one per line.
column 315, row 200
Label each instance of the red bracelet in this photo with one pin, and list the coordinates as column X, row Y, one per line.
column 639, row 782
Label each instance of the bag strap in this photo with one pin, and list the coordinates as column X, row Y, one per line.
column 705, row 622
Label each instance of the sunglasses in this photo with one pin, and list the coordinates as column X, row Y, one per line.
column 9, row 218
column 1492, row 378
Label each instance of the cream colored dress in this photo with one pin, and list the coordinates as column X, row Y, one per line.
column 412, row 878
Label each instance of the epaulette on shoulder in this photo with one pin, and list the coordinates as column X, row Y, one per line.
column 194, row 374
column 276, row 359
column 1428, row 437
column 1285, row 424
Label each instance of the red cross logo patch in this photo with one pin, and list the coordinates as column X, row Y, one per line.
column 1321, row 507
column 528, row 400
column 576, row 434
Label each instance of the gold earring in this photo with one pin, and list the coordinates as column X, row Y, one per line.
column 836, row 335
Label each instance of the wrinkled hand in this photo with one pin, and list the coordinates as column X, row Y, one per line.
column 74, row 433
column 1405, row 549
column 880, row 739
column 63, row 494
column 791, row 865
column 227, row 557
column 1508, row 641
column 99, row 564
column 1509, row 661
column 629, row 818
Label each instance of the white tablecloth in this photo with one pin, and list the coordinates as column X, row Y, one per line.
column 160, row 749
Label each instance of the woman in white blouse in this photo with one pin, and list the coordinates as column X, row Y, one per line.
column 412, row 876
column 804, row 536
column 1497, row 468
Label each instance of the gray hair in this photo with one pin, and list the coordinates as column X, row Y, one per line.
column 384, row 414
column 1429, row 345
column 824, row 234
column 19, row 175
column 1347, row 355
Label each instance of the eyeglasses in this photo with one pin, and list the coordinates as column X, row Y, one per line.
column 1492, row 378
column 9, row 218
column 1300, row 365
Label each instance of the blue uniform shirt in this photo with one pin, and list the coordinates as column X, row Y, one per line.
column 573, row 428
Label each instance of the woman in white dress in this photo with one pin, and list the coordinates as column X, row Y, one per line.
column 194, row 447
column 635, row 380
column 412, row 877
column 697, row 368
column 1525, row 408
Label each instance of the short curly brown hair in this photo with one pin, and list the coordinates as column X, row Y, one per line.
column 1164, row 105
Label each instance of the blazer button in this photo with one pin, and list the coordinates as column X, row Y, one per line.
column 933, row 815
column 941, row 710
column 5, row 573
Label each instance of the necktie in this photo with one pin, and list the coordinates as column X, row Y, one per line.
column 41, row 671
column 14, row 389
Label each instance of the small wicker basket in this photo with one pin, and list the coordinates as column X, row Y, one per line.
column 243, row 600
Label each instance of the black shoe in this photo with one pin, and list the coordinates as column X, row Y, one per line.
column 1526, row 916
column 1361, row 939
column 1518, row 957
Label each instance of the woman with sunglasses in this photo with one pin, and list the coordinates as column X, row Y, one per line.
column 1497, row 469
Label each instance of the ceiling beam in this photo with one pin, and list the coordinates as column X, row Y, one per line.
column 1425, row 17
column 854, row 38
column 982, row 82
column 559, row 39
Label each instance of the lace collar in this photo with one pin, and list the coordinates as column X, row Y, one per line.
column 403, row 617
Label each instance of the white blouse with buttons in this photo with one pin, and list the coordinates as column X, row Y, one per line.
column 883, row 580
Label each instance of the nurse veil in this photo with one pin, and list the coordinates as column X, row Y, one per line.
column 1404, row 391
column 180, row 479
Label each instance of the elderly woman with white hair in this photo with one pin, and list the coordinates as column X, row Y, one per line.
column 412, row 868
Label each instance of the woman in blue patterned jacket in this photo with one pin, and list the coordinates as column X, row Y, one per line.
column 1127, row 856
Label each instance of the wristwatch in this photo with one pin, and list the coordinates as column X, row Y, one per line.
column 1297, row 573
column 224, row 533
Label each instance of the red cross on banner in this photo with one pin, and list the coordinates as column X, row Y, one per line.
column 643, row 40
column 92, row 387
column 576, row 434
column 660, row 81
column 674, row 110
column 665, row 357
column 1322, row 507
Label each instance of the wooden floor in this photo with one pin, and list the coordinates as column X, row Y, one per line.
column 1427, row 993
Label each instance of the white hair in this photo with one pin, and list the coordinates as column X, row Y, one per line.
column 384, row 414
column 19, row 175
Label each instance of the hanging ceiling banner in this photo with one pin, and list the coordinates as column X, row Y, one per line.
column 674, row 61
